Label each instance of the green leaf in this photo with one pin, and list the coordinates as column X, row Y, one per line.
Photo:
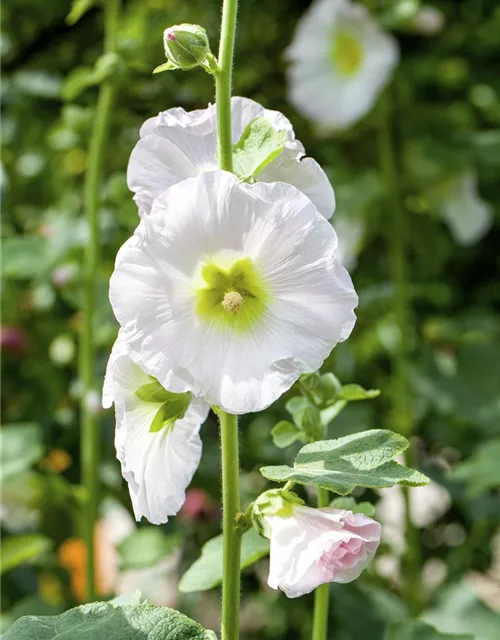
column 78, row 9
column 258, row 146
column 330, row 413
column 321, row 388
column 25, row 257
column 170, row 412
column 154, row 392
column 363, row 459
column 21, row 446
column 285, row 433
column 103, row 621
column 145, row 547
column 206, row 572
column 482, row 470
column 352, row 392
column 416, row 630
column 17, row 550
column 350, row 504
column 166, row 66
column 295, row 404
column 77, row 81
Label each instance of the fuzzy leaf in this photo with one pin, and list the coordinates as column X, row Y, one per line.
column 285, row 433
column 17, row 550
column 351, row 392
column 206, row 572
column 258, row 146
column 103, row 621
column 145, row 547
column 363, row 459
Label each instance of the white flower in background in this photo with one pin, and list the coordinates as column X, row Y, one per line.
column 178, row 144
column 350, row 231
column 467, row 214
column 231, row 290
column 428, row 21
column 340, row 60
column 157, row 436
column 310, row 547
column 19, row 508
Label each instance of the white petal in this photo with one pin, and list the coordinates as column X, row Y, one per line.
column 290, row 243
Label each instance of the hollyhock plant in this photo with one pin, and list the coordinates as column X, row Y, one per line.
column 340, row 60
column 311, row 547
column 231, row 291
column 179, row 144
column 157, row 436
column 466, row 213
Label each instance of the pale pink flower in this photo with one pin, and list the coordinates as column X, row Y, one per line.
column 311, row 547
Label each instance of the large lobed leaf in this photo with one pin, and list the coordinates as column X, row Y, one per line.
column 206, row 572
column 363, row 459
column 105, row 621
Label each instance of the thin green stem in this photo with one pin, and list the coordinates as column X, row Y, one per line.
column 231, row 536
column 322, row 593
column 87, row 355
column 223, row 84
column 401, row 393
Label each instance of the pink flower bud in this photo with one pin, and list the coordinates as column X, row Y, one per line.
column 310, row 547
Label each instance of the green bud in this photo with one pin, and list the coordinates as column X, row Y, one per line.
column 276, row 502
column 186, row 46
column 308, row 419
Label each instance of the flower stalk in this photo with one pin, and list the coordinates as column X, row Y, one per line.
column 321, row 593
column 87, row 352
column 399, row 270
column 228, row 422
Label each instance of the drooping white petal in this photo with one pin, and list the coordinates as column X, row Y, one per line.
column 158, row 466
column 177, row 145
column 318, row 87
column 467, row 214
column 310, row 295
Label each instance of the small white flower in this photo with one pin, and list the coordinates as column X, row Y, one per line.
column 467, row 214
column 340, row 61
column 178, row 144
column 310, row 547
column 428, row 21
column 231, row 290
column 158, row 460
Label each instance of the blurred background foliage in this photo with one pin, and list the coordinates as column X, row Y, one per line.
column 447, row 119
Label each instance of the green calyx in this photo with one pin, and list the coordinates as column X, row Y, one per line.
column 276, row 502
column 346, row 53
column 173, row 406
column 233, row 297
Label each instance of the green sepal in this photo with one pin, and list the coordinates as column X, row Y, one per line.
column 166, row 66
column 349, row 504
column 258, row 146
column 170, row 411
column 154, row 392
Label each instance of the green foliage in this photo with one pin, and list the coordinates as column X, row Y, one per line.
column 482, row 470
column 258, row 146
column 25, row 257
column 145, row 548
column 286, row 433
column 78, row 9
column 206, row 572
column 103, row 620
column 21, row 446
column 415, row 630
column 17, row 550
column 362, row 460
column 350, row 504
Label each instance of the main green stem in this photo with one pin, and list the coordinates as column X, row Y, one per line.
column 322, row 593
column 87, row 355
column 401, row 393
column 228, row 423
column 231, row 537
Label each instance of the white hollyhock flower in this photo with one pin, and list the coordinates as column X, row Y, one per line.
column 178, row 144
column 157, row 437
column 231, row 290
column 340, row 61
column 467, row 214
column 310, row 547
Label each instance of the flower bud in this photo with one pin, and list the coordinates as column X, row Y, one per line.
column 276, row 502
column 186, row 45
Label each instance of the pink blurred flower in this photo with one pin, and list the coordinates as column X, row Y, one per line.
column 310, row 547
column 197, row 506
column 13, row 339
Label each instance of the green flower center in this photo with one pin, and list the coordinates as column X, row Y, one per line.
column 346, row 53
column 233, row 297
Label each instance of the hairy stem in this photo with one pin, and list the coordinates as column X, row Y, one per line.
column 232, row 537
column 401, row 393
column 322, row 593
column 89, row 423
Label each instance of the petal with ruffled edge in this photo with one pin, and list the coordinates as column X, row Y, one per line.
column 178, row 144
column 310, row 295
column 157, row 466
